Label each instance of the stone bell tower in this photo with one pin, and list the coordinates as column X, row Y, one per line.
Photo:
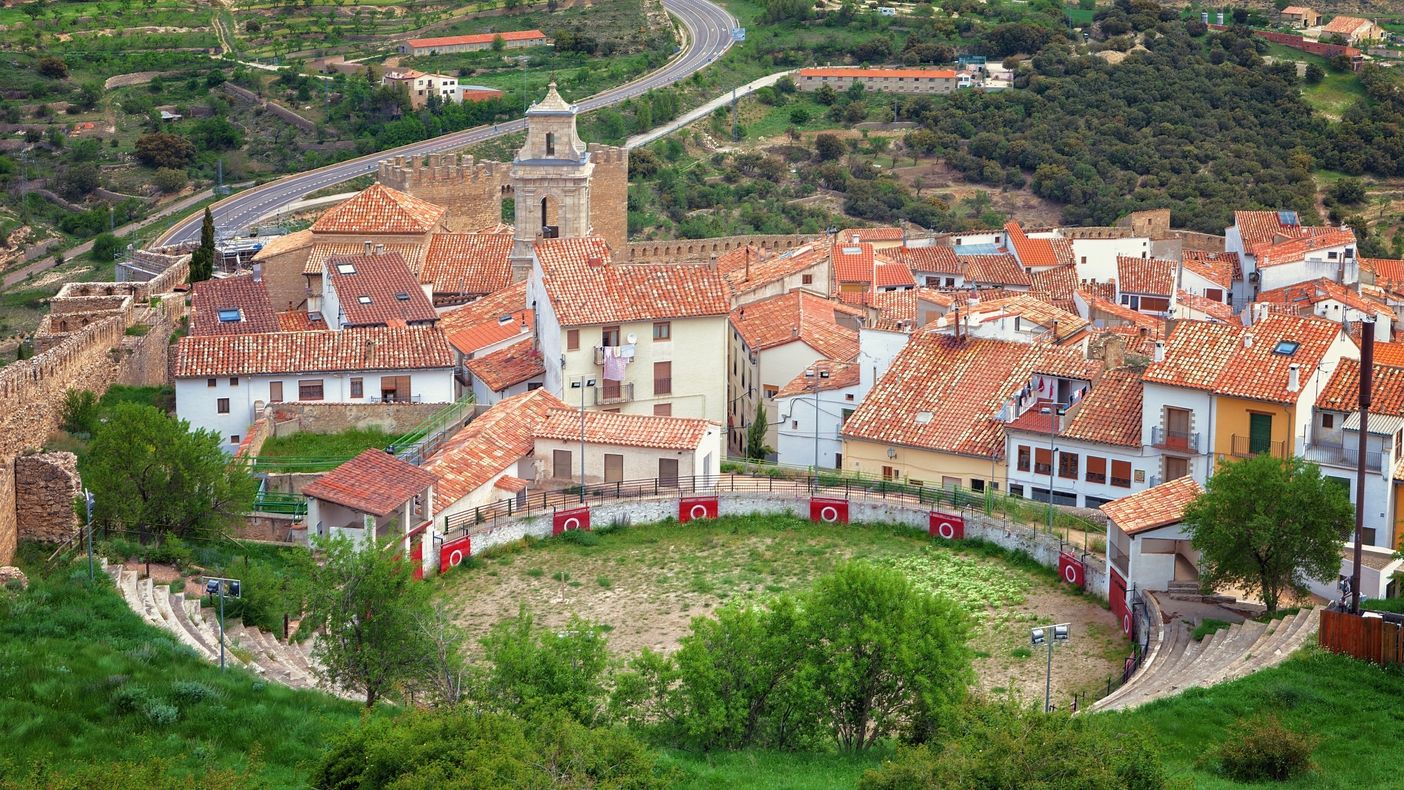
column 550, row 180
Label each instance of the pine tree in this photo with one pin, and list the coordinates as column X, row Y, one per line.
column 202, row 260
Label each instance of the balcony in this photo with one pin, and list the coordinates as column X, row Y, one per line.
column 614, row 392
column 1244, row 447
column 1342, row 452
column 1175, row 441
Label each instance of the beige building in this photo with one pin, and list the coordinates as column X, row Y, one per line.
column 550, row 179
column 621, row 447
column 1353, row 29
column 421, row 86
column 885, row 80
column 1299, row 16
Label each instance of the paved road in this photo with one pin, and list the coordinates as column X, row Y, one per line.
column 691, row 116
column 708, row 29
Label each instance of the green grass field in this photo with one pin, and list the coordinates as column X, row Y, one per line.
column 311, row 452
column 1333, row 95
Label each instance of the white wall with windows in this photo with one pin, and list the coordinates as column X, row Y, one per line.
column 799, row 431
column 1084, row 474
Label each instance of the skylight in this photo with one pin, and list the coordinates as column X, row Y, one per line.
column 346, row 268
column 1286, row 347
column 363, row 299
column 402, row 296
column 230, row 316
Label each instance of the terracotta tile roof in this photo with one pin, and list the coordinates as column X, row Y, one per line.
column 1213, row 357
column 1151, row 276
column 507, row 366
column 1188, row 305
column 490, row 444
column 510, row 484
column 299, row 321
column 1303, row 296
column 378, row 290
column 1058, row 282
column 749, row 267
column 1389, row 354
column 490, row 320
column 476, row 38
column 891, row 274
column 935, row 259
column 1154, row 507
column 841, row 374
column 1030, row 252
column 1024, row 306
column 378, row 348
column 1138, row 341
column 585, row 288
column 380, row 209
column 871, row 234
column 797, row 316
column 1388, row 272
column 994, row 270
column 277, row 245
column 853, row 263
column 324, row 251
column 373, row 482
column 1293, row 250
column 1296, row 10
column 1096, row 304
column 1264, row 227
column 1344, row 25
column 1220, row 268
column 1063, row 251
column 628, row 430
column 247, row 297
column 467, row 263
column 942, row 393
column 1342, row 391
column 500, row 227
column 848, row 72
column 1111, row 411
column 1105, row 291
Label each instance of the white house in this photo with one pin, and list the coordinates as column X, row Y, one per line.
column 1276, row 250
column 506, row 372
column 812, row 409
column 618, row 447
column 374, row 497
column 1096, row 258
column 222, row 381
column 1148, row 544
column 1330, row 300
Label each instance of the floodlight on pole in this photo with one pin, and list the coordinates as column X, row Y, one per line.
column 1049, row 635
column 215, row 585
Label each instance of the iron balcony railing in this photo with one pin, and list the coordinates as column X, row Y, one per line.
column 1166, row 439
column 623, row 392
column 1340, row 451
column 1246, row 447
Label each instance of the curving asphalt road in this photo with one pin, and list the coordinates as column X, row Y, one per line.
column 708, row 38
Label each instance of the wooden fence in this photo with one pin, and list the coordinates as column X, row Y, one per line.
column 1366, row 638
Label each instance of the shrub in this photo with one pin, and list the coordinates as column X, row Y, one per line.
column 161, row 714
column 534, row 671
column 170, row 179
column 1264, row 749
column 192, row 692
column 173, row 551
column 80, row 412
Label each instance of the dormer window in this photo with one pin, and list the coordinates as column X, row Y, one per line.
column 230, row 316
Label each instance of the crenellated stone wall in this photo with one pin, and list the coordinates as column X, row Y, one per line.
column 703, row 250
column 472, row 191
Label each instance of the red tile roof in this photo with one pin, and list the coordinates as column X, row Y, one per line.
column 507, row 366
column 242, row 293
column 277, row 245
column 1389, row 354
column 1199, row 307
column 378, row 290
column 373, row 482
column 1151, row 276
column 489, row 445
column 510, row 484
column 1342, row 391
column 798, row 316
column 1026, row 307
column 897, row 310
column 1154, row 507
column 1111, row 412
column 490, row 320
column 941, row 393
column 1096, row 304
column 628, row 430
column 1213, row 357
column 1293, row 250
column 299, row 321
column 1105, row 291
column 994, row 270
column 379, row 348
column 853, row 263
column 323, row 251
column 1304, row 295
column 380, row 209
column 476, row 38
column 1263, row 227
column 935, row 259
column 467, row 263
column 871, row 234
column 585, row 288
column 750, row 267
column 841, row 374
column 1220, row 268
column 1388, row 272
column 948, row 74
column 1030, row 252
column 1058, row 282
column 1344, row 25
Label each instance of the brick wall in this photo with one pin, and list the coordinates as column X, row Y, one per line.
column 45, row 486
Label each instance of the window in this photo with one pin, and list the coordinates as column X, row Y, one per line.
column 1176, row 468
column 1259, row 432
column 1096, row 469
column 358, row 387
column 1067, row 465
column 222, row 406
column 349, row 268
column 848, row 397
column 309, row 389
column 572, row 339
column 1043, row 461
column 230, row 316
column 233, row 438
column 770, row 390
column 550, row 143
column 844, row 415
column 668, row 471
column 890, row 473
column 1331, row 256
column 806, row 279
column 210, row 382
column 662, row 410
column 609, row 336
column 662, row 378
column 1023, row 455
column 794, row 425
column 363, row 299
column 1154, row 304
column 662, row 330
column 1214, row 294
column 613, row 467
column 976, row 484
column 395, row 389
column 1121, row 474
column 1016, row 491
column 1286, row 347
column 233, row 381
column 275, row 392
column 560, row 464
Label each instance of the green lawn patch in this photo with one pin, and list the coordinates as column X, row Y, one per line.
column 771, row 770
column 318, row 452
column 1208, row 626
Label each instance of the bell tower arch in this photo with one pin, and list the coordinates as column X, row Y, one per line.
column 550, row 180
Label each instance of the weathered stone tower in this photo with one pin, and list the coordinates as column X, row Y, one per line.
column 550, row 180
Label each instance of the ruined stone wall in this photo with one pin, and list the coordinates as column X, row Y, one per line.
column 45, row 486
column 472, row 191
column 609, row 194
column 1154, row 223
column 393, row 418
column 703, row 250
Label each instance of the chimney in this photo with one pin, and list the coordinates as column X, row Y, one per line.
column 1247, row 339
column 379, row 249
column 1294, row 377
column 368, row 246
column 1159, row 351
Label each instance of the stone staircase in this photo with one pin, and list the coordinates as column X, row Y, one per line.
column 1178, row 663
column 288, row 663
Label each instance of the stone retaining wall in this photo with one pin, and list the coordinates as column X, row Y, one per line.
column 45, row 486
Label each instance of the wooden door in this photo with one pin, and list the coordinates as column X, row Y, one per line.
column 613, row 467
column 560, row 464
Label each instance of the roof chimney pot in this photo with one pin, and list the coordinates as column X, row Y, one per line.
column 1159, row 351
column 1294, row 377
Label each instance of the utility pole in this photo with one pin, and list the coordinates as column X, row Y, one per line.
column 1367, row 370
column 735, row 122
column 88, row 501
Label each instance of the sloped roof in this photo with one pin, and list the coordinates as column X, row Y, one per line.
column 887, row 233
column 299, row 321
column 798, row 316
column 1344, row 25
column 1293, row 250
column 1096, row 303
column 1202, row 307
column 372, row 348
column 1306, row 294
column 242, row 293
column 994, row 270
column 1111, row 411
column 380, row 209
column 1342, row 391
column 277, row 245
column 508, row 366
column 475, row 38
column 489, row 320
column 323, row 251
column 853, row 263
column 936, row 259
column 1030, row 252
column 1154, row 507
column 897, row 310
column 750, row 267
column 628, row 430
column 1151, row 276
column 1220, row 268
column 1027, row 307
column 585, row 288
column 485, row 447
column 1213, row 356
column 373, row 482
column 840, row 375
column 1388, row 272
column 467, row 263
column 379, row 290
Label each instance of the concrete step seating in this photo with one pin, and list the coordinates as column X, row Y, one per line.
column 1181, row 663
column 290, row 664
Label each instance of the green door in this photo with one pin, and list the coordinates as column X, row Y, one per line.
column 1259, row 433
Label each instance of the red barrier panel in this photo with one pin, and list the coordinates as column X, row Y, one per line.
column 1071, row 570
column 946, row 525
column 828, row 511
column 696, row 507
column 575, row 518
column 417, row 557
column 1116, row 595
column 452, row 554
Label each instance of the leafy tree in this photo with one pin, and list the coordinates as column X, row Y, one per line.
column 202, row 259
column 756, row 448
column 1269, row 525
column 1347, row 191
column 105, row 248
column 498, row 42
column 367, row 606
column 170, row 179
column 535, row 671
column 163, row 149
column 52, row 67
column 217, row 134
column 828, row 147
column 148, row 471
column 1006, row 747
column 80, row 412
column 78, row 180
column 1314, row 74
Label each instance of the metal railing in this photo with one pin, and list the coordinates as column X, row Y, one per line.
column 1340, row 452
column 1245, row 447
column 1166, row 439
column 623, row 393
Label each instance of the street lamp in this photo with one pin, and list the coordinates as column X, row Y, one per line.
column 1048, row 634
column 581, row 383
column 215, row 585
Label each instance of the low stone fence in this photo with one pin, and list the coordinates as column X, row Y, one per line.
column 392, row 418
